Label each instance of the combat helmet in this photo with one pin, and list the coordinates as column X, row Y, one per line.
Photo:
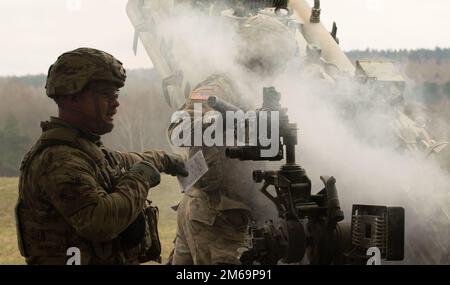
column 73, row 70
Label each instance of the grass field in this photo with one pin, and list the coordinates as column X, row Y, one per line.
column 163, row 196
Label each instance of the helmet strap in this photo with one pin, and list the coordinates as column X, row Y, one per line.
column 98, row 115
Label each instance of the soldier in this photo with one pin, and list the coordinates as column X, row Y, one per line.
column 213, row 215
column 75, row 192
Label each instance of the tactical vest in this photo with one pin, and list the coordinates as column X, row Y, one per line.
column 55, row 236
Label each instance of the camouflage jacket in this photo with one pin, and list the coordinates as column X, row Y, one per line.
column 228, row 183
column 74, row 192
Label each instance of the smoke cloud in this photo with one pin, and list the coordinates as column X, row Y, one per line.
column 369, row 168
column 338, row 134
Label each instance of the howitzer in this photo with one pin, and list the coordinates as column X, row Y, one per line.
column 315, row 42
column 311, row 224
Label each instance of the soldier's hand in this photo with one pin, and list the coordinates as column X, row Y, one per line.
column 176, row 165
column 148, row 170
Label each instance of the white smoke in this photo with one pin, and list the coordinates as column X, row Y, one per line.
column 201, row 45
column 369, row 171
column 358, row 151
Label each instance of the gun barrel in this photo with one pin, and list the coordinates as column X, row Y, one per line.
column 220, row 105
column 316, row 33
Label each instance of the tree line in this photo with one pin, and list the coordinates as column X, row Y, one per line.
column 438, row 54
column 143, row 116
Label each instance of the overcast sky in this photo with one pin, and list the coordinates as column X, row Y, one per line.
column 35, row 32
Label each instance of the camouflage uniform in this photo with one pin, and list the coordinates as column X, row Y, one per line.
column 213, row 215
column 78, row 193
column 73, row 191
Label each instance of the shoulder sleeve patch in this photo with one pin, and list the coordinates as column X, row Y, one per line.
column 199, row 95
column 202, row 93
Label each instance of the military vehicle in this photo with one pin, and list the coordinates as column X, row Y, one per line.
column 317, row 44
column 311, row 34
